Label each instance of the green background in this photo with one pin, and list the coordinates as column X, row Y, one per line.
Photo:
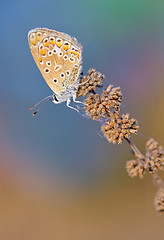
column 59, row 178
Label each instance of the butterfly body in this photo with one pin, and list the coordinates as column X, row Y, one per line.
column 59, row 59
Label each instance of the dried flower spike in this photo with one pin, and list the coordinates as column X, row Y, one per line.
column 154, row 156
column 159, row 200
column 99, row 106
column 135, row 168
column 111, row 99
column 93, row 106
column 119, row 127
column 106, row 108
column 89, row 83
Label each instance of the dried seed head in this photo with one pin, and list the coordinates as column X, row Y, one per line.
column 93, row 106
column 154, row 156
column 159, row 200
column 135, row 168
column 111, row 99
column 99, row 106
column 112, row 131
column 89, row 82
column 119, row 127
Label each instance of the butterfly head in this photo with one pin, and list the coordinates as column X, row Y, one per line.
column 55, row 99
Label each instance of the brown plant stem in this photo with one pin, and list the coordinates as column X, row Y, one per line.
column 116, row 127
column 135, row 150
column 158, row 181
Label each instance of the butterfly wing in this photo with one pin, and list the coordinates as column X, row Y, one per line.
column 58, row 57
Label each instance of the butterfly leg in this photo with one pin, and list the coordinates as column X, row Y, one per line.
column 74, row 99
column 83, row 82
column 68, row 105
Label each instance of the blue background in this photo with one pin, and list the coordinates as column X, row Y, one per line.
column 61, row 153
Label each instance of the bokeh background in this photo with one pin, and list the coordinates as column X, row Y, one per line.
column 59, row 178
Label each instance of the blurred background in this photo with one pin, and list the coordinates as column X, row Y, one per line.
column 59, row 179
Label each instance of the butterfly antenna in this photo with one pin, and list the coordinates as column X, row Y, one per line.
column 44, row 101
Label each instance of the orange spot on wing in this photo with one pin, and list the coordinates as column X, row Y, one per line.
column 66, row 47
column 46, row 44
column 40, row 59
column 59, row 44
column 39, row 38
column 52, row 42
column 75, row 53
column 42, row 51
column 33, row 41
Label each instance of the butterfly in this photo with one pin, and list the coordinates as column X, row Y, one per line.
column 59, row 59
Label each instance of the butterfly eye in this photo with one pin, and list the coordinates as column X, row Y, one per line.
column 55, row 80
column 55, row 98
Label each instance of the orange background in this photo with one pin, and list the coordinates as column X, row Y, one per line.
column 59, row 179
